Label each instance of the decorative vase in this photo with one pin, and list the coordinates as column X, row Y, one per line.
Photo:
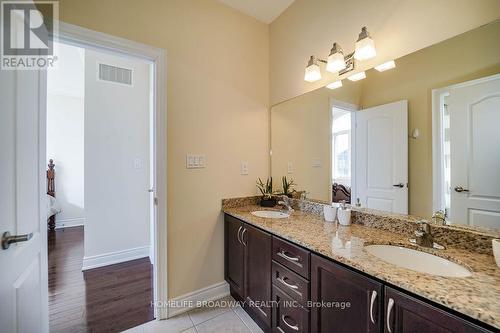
column 266, row 202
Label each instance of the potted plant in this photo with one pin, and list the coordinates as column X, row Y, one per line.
column 288, row 187
column 266, row 189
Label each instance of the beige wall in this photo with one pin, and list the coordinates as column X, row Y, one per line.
column 399, row 27
column 217, row 100
column 466, row 57
column 301, row 133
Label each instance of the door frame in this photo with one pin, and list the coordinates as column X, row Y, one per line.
column 437, row 136
column 351, row 108
column 80, row 36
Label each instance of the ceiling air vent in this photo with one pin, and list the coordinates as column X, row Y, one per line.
column 115, row 74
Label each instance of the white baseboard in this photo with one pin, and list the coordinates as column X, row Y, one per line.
column 188, row 301
column 67, row 223
column 114, row 257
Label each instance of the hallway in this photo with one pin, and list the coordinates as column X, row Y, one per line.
column 107, row 299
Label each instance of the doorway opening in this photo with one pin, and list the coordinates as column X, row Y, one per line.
column 342, row 147
column 101, row 189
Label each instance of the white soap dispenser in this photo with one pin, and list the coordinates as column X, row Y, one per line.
column 344, row 214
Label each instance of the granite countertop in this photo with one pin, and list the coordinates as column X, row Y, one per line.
column 477, row 296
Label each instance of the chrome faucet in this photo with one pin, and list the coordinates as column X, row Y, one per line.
column 423, row 234
column 439, row 217
column 285, row 202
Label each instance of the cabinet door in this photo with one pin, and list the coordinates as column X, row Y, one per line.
column 342, row 300
column 406, row 314
column 258, row 273
column 234, row 253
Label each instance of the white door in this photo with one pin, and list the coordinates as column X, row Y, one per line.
column 475, row 153
column 23, row 266
column 382, row 157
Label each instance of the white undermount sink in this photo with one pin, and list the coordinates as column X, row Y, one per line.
column 270, row 214
column 417, row 260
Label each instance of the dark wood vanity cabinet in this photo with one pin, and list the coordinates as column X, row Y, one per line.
column 343, row 300
column 234, row 255
column 406, row 314
column 311, row 293
column 248, row 268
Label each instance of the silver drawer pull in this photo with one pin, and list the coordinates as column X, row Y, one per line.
column 293, row 327
column 293, row 286
column 390, row 304
column 287, row 257
column 372, row 301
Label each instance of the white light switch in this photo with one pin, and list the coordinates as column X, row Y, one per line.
column 137, row 163
column 290, row 167
column 244, row 168
column 195, row 161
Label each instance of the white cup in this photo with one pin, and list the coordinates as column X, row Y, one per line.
column 496, row 250
column 330, row 213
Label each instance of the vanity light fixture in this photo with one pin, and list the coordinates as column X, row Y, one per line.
column 313, row 72
column 357, row 76
column 386, row 66
column 365, row 47
column 334, row 85
column 338, row 62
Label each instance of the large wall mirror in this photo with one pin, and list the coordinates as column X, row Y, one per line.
column 419, row 138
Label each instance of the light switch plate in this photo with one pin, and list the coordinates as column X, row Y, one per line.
column 290, row 167
column 195, row 161
column 316, row 163
column 244, row 168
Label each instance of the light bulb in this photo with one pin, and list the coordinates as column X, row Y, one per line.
column 336, row 60
column 386, row 66
column 312, row 72
column 365, row 47
column 334, row 85
column 357, row 76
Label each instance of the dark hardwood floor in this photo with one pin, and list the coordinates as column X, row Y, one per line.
column 106, row 299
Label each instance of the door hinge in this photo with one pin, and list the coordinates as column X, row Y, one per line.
column 156, row 201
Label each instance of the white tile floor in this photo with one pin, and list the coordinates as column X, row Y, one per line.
column 204, row 320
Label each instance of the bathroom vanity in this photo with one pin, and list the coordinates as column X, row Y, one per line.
column 301, row 274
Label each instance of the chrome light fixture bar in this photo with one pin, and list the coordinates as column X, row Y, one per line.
column 338, row 62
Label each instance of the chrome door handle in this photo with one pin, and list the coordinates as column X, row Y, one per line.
column 460, row 189
column 292, row 286
column 238, row 236
column 293, row 327
column 400, row 185
column 372, row 301
column 7, row 239
column 287, row 257
column 242, row 234
column 390, row 304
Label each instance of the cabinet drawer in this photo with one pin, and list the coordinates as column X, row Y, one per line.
column 288, row 315
column 291, row 256
column 291, row 283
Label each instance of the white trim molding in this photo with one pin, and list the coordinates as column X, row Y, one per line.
column 189, row 301
column 69, row 223
column 115, row 257
column 79, row 36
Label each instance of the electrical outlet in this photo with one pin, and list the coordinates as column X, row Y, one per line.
column 244, row 168
column 195, row 161
column 290, row 168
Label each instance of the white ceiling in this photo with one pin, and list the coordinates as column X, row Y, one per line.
column 263, row 10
